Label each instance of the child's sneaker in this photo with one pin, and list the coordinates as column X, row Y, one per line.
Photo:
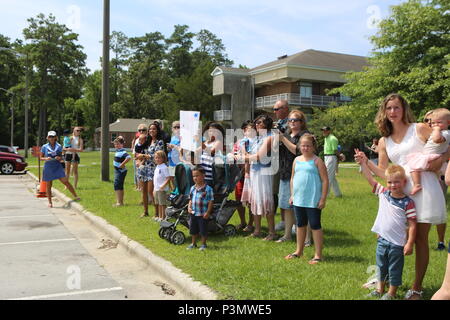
column 202, row 247
column 374, row 294
column 441, row 246
column 387, row 296
column 191, row 246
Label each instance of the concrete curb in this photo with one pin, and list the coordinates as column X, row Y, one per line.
column 164, row 268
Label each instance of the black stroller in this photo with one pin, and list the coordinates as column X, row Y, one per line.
column 178, row 210
column 226, row 176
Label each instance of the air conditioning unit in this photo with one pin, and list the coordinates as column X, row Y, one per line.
column 222, row 115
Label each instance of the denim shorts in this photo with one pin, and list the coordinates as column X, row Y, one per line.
column 198, row 225
column 119, row 178
column 390, row 262
column 308, row 215
column 284, row 194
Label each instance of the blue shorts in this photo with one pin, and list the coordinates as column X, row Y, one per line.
column 198, row 225
column 390, row 262
column 284, row 194
column 308, row 215
column 119, row 178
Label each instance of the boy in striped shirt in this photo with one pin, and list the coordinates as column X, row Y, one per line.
column 121, row 158
column 395, row 226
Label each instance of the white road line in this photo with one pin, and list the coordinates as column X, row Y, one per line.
column 14, row 217
column 66, row 294
column 38, row 241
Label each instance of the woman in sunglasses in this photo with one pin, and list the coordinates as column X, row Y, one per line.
column 51, row 153
column 72, row 157
column 261, row 177
column 146, row 171
column 142, row 129
column 288, row 152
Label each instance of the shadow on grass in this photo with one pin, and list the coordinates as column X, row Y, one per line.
column 334, row 238
column 345, row 259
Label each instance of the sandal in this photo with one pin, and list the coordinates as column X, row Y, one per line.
column 291, row 256
column 241, row 226
column 283, row 239
column 249, row 229
column 410, row 294
column 254, row 235
column 144, row 215
column 50, row 205
column 314, row 261
column 270, row 237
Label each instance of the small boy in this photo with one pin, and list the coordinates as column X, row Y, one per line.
column 139, row 147
column 200, row 207
column 396, row 211
column 120, row 160
column 161, row 182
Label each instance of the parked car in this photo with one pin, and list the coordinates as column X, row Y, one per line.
column 10, row 162
column 7, row 149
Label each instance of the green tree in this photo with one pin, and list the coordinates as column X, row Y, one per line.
column 411, row 56
column 60, row 69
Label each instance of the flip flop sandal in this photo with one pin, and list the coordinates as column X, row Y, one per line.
column 291, row 256
column 248, row 229
column 314, row 261
column 254, row 235
column 282, row 239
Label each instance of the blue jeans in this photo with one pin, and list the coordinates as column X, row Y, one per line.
column 390, row 261
column 119, row 178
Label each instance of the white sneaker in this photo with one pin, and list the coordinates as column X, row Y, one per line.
column 279, row 226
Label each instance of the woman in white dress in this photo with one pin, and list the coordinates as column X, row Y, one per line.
column 261, row 177
column 400, row 137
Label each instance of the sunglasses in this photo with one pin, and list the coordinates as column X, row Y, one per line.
column 177, row 127
column 142, row 130
column 52, row 136
column 276, row 109
column 426, row 120
column 295, row 120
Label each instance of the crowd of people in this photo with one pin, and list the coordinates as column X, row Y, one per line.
column 281, row 169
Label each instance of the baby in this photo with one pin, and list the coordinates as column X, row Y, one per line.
column 140, row 148
column 436, row 145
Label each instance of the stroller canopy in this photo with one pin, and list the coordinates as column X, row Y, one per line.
column 183, row 179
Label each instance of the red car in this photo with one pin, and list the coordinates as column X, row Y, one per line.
column 10, row 162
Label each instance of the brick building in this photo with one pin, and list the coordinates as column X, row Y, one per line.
column 303, row 79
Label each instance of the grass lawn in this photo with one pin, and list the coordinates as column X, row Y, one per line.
column 244, row 268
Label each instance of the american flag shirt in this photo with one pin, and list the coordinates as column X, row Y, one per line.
column 393, row 213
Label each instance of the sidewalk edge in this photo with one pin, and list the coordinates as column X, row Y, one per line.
column 166, row 269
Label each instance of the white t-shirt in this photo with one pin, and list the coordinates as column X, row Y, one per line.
column 161, row 175
column 391, row 221
column 437, row 148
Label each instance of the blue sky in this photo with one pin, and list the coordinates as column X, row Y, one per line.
column 254, row 32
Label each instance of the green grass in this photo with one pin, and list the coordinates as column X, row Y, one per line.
column 243, row 268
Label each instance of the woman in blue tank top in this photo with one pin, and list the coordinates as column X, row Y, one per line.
column 309, row 188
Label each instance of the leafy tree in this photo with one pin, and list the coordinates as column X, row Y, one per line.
column 60, row 69
column 411, row 56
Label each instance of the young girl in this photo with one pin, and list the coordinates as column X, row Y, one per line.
column 309, row 188
column 161, row 183
column 72, row 157
column 436, row 145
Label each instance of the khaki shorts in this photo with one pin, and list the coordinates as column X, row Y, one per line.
column 160, row 198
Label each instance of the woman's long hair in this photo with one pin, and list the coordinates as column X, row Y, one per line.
column 381, row 119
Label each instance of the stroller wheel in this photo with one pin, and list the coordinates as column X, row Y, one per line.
column 161, row 232
column 177, row 238
column 229, row 230
column 166, row 233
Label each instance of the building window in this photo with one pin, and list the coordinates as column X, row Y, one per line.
column 305, row 89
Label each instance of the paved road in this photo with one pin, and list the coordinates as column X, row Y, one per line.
column 56, row 254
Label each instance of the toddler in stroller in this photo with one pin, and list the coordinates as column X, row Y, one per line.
column 225, row 176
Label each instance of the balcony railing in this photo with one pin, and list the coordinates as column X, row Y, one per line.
column 296, row 99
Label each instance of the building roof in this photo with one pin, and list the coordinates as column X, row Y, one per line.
column 318, row 59
column 127, row 125
column 228, row 70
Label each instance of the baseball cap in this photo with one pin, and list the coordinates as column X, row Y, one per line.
column 51, row 134
column 325, row 129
